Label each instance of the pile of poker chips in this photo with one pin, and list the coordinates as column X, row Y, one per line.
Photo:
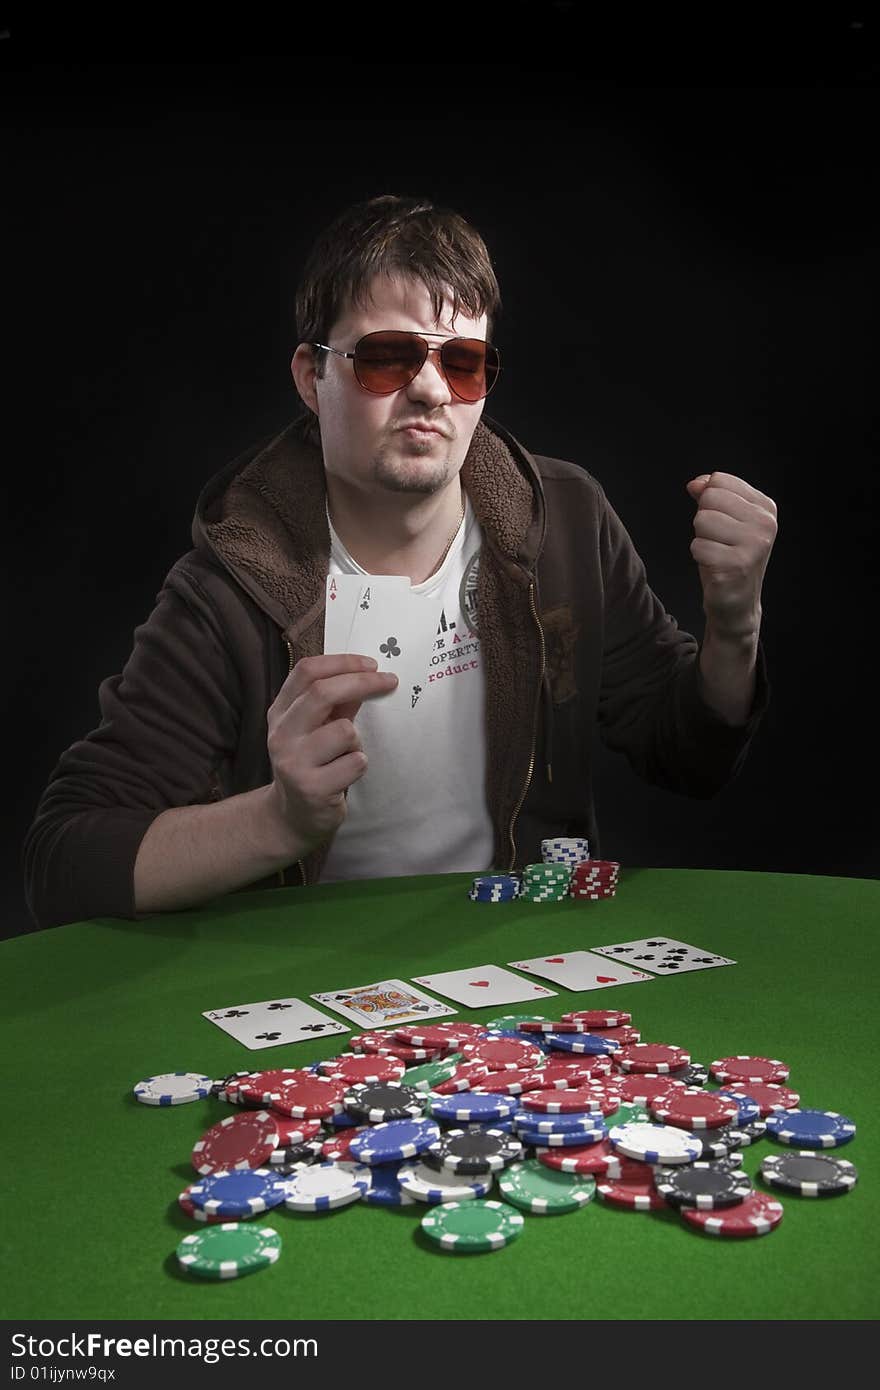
column 555, row 1112
column 566, row 871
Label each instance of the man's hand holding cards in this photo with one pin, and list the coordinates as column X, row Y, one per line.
column 314, row 747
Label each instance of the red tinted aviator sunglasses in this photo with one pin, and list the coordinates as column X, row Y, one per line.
column 390, row 359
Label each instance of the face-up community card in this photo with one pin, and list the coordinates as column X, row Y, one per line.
column 483, row 984
column 380, row 616
column 579, row 970
column 662, row 955
column 272, row 1022
column 383, row 1005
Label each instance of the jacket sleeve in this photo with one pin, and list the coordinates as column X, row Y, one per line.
column 167, row 721
column 650, row 702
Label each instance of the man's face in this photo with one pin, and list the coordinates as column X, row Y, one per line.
column 365, row 444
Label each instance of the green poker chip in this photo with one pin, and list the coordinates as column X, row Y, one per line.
column 229, row 1250
column 629, row 1115
column 514, row 1020
column 544, row 1191
column 430, row 1074
column 472, row 1227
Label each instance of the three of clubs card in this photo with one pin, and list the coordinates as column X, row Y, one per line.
column 272, row 1022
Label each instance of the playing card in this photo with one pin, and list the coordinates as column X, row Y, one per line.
column 663, row 956
column 386, row 1004
column 272, row 1022
column 343, row 591
column 397, row 628
column 579, row 970
column 483, row 984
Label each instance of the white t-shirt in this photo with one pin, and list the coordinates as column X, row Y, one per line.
column 420, row 807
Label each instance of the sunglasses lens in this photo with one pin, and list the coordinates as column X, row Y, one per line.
column 471, row 367
column 386, row 361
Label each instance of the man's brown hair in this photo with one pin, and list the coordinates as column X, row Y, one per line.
column 391, row 235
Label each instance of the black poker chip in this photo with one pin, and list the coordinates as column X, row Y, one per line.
column 379, row 1102
column 809, row 1173
column 702, row 1185
column 693, row 1075
column 748, row 1134
column 218, row 1090
column 717, row 1143
column 473, row 1151
column 293, row 1157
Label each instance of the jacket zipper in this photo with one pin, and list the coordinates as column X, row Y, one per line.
column 525, row 789
column 300, row 866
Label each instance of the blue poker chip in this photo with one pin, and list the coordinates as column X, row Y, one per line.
column 385, row 1189
column 572, row 1138
column 341, row 1121
column 749, row 1110
column 575, row 1122
column 239, row 1193
column 395, row 1139
column 507, row 1126
column 467, row 1105
column 589, row 1043
column 810, row 1129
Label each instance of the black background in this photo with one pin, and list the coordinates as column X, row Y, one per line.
column 682, row 220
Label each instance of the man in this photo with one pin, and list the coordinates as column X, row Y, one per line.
column 217, row 768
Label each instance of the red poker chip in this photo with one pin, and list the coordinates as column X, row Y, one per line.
column 562, row 1026
column 502, row 1054
column 642, row 1089
column 404, row 1053
column 623, row 1034
column 266, row 1086
column 592, row 1096
column 599, row 1018
column 757, row 1215
column 187, row 1205
column 748, row 1069
column 291, row 1131
column 240, row 1141
column 312, row 1097
column 632, row 1188
column 337, row 1145
column 599, row 1158
column 695, row 1108
column 770, row 1097
column 363, row 1067
column 466, row 1075
column 438, row 1034
column 505, row 1083
column 658, row 1058
column 563, row 1075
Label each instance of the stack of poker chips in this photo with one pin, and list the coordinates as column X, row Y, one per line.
column 494, row 888
column 565, row 851
column 545, row 883
column 595, row 879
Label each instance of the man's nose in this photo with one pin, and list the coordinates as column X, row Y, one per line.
column 430, row 383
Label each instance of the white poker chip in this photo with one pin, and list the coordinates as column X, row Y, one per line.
column 428, row 1185
column 655, row 1143
column 326, row 1185
column 173, row 1088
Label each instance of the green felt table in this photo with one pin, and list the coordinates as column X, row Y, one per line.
column 91, row 1176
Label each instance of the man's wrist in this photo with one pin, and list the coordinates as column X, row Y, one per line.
column 727, row 673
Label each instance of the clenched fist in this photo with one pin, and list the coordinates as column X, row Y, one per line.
column 734, row 530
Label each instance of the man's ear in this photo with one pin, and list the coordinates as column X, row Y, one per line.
column 304, row 372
